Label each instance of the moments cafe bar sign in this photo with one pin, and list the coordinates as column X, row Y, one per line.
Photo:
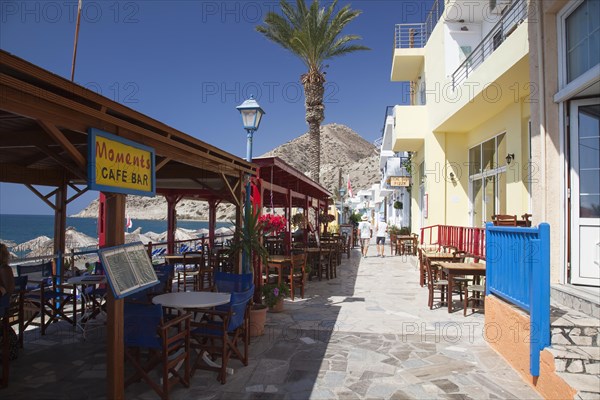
column 119, row 165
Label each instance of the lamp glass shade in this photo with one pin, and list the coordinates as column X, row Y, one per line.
column 251, row 114
column 342, row 192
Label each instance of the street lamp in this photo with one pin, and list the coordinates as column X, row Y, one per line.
column 251, row 116
column 342, row 192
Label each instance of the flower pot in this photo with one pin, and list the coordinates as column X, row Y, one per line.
column 278, row 307
column 258, row 317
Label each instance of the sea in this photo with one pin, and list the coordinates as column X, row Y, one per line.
column 21, row 228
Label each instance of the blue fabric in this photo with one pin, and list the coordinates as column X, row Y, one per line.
column 229, row 283
column 141, row 322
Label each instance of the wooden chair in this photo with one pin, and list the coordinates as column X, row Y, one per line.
column 504, row 220
column 435, row 284
column 16, row 311
column 151, row 341
column 410, row 246
column 297, row 277
column 221, row 331
column 45, row 298
column 189, row 269
column 474, row 295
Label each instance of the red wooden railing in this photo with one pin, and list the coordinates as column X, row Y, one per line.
column 468, row 239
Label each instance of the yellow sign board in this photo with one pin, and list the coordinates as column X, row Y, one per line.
column 398, row 181
column 120, row 165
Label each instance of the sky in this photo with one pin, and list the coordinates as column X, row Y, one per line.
column 190, row 63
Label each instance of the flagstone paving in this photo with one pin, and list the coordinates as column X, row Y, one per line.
column 367, row 334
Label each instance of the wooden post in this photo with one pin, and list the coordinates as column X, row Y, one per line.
column 115, row 358
column 60, row 222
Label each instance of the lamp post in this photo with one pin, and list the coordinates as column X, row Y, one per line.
column 342, row 192
column 251, row 116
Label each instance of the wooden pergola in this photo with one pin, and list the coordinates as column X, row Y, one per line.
column 283, row 186
column 44, row 125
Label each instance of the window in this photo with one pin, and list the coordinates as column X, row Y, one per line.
column 487, row 177
column 582, row 39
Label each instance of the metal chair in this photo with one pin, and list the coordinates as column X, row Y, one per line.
column 151, row 341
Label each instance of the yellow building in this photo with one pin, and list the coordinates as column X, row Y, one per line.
column 468, row 114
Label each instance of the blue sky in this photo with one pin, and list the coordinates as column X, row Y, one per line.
column 190, row 63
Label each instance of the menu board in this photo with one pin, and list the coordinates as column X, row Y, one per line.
column 128, row 268
column 346, row 229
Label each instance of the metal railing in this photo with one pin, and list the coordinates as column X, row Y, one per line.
column 510, row 20
column 518, row 271
column 415, row 35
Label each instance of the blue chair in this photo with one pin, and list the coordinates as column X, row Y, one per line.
column 4, row 325
column 45, row 297
column 219, row 332
column 16, row 311
column 151, row 341
column 229, row 283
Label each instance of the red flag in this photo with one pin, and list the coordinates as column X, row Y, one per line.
column 349, row 187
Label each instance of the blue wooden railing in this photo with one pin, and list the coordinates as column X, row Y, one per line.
column 518, row 271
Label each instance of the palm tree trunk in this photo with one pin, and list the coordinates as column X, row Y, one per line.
column 314, row 90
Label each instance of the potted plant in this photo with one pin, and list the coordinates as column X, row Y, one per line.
column 398, row 205
column 272, row 223
column 298, row 220
column 273, row 295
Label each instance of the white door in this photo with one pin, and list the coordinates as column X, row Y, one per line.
column 585, row 192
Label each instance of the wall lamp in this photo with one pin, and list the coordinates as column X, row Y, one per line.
column 423, row 178
column 509, row 158
column 452, row 177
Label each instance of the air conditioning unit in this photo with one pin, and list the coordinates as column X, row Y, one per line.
column 498, row 6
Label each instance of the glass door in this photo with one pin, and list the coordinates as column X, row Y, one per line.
column 585, row 192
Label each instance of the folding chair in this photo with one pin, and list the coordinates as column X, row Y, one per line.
column 45, row 297
column 151, row 341
column 219, row 332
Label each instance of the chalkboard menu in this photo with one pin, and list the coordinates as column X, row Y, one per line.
column 128, row 268
column 346, row 229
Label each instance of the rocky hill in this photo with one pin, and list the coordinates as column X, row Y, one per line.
column 341, row 148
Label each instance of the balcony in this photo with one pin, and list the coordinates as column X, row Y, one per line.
column 409, row 45
column 410, row 127
column 393, row 168
column 510, row 21
column 494, row 76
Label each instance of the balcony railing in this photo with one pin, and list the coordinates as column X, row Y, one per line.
column 510, row 20
column 408, row 36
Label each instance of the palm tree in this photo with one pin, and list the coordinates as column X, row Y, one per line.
column 314, row 35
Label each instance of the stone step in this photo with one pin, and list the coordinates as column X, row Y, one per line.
column 577, row 336
column 585, row 384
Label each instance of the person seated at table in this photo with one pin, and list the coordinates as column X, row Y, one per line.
column 381, row 230
column 7, row 279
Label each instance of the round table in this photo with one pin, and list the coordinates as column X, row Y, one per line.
column 191, row 300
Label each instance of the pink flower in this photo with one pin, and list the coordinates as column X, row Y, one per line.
column 276, row 292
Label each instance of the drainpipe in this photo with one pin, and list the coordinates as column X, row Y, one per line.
column 542, row 104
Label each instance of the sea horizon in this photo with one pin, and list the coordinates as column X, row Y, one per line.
column 20, row 228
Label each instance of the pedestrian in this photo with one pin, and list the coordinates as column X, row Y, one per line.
column 365, row 232
column 381, row 230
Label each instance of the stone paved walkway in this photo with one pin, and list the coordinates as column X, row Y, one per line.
column 367, row 334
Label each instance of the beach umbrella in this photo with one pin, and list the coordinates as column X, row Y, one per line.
column 202, row 232
column 180, row 234
column 33, row 244
column 153, row 236
column 8, row 243
column 137, row 236
column 78, row 240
